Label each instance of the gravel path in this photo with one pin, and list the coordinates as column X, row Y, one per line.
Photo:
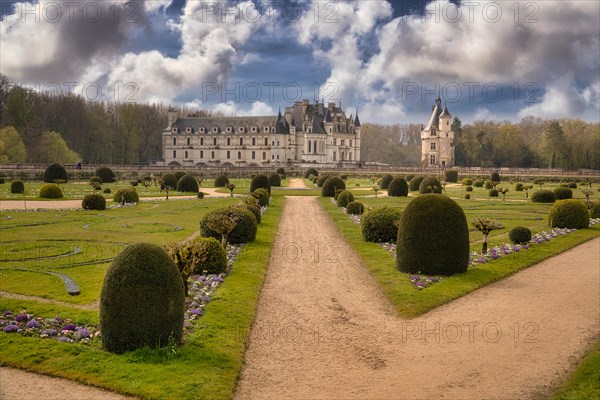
column 323, row 330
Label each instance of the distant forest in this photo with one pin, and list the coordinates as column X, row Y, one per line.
column 67, row 128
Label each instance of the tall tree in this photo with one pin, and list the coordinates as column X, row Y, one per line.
column 12, row 149
column 53, row 148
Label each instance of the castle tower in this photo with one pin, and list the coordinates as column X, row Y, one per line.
column 437, row 138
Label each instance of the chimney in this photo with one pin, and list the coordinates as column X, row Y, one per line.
column 172, row 114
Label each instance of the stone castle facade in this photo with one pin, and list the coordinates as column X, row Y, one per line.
column 305, row 133
column 437, row 138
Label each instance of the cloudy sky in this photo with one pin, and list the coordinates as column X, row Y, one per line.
column 388, row 59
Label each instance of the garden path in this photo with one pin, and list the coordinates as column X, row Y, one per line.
column 323, row 329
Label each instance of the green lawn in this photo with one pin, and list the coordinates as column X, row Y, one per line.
column 584, row 382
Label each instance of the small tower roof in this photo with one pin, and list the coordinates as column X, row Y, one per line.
column 356, row 120
column 445, row 113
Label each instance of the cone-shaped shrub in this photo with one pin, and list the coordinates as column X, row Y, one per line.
column 430, row 185
column 355, row 208
column 142, row 302
column 94, row 201
column 332, row 184
column 570, row 213
column 221, row 181
column 380, row 225
column 51, row 191
column 187, row 183
column 260, row 182
column 274, row 179
column 55, row 172
column 345, row 198
column 398, row 187
column 169, row 180
column 385, row 181
column 433, row 237
column 106, row 174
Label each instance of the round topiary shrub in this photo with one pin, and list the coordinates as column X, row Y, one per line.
column 344, row 199
column 260, row 182
column 433, row 237
column 495, row 177
column 398, row 187
column 385, row 181
column 380, row 224
column 595, row 209
column 569, row 213
column 96, row 179
column 253, row 209
column 488, row 185
column 169, row 180
column 493, row 193
column 107, row 190
column 281, row 172
column 55, row 172
column 409, row 177
column 355, row 208
column 133, row 183
column 572, row 185
column 322, row 178
column 415, row 182
column 543, row 196
column 331, row 185
column 467, row 182
column 262, row 196
column 106, row 174
column 430, row 185
column 478, row 183
column 126, row 195
column 311, row 171
column 178, row 175
column 469, row 188
column 94, row 201
column 520, row 235
column 518, row 187
column 562, row 193
column 211, row 255
column 221, row 181
column 187, row 183
column 539, row 181
column 467, row 196
column 17, row 187
column 244, row 230
column 451, row 175
column 142, row 302
column 274, row 179
column 51, row 191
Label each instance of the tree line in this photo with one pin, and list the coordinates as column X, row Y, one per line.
column 44, row 127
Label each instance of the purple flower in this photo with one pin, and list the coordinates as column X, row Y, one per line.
column 414, row 278
column 7, row 313
column 50, row 332
column 197, row 311
column 69, row 327
column 83, row 332
column 58, row 319
column 420, row 285
column 11, row 328
column 218, row 279
column 33, row 324
column 22, row 318
column 63, row 339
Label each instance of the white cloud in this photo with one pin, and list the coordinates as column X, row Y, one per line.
column 258, row 108
column 563, row 100
column 153, row 6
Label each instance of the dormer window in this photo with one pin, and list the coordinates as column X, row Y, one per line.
column 215, row 129
column 433, row 132
column 229, row 129
column 188, row 129
column 266, row 129
column 242, row 129
column 254, row 129
column 203, row 130
column 175, row 130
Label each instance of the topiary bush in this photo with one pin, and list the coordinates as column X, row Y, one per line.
column 106, row 174
column 281, row 172
column 572, row 185
column 168, row 180
column 493, row 193
column 409, row 177
column 178, row 175
column 260, row 182
column 488, row 185
column 380, row 224
column 355, row 208
column 322, row 178
column 595, row 209
column 569, row 213
column 451, row 175
column 126, row 195
column 467, row 182
column 430, row 185
column 385, row 181
column 469, row 188
column 398, row 187
column 495, row 177
column 543, row 196
column 107, row 190
column 520, row 235
column 478, row 183
column 187, row 183
column 253, row 209
column 142, row 302
column 311, row 171
column 262, row 196
column 244, row 230
column 331, row 185
column 51, row 191
column 467, row 196
column 94, row 201
column 274, row 179
column 221, row 181
column 344, row 199
column 209, row 256
column 415, row 182
column 17, row 187
column 433, row 237
column 55, row 172
column 518, row 187
column 96, row 179
column 562, row 193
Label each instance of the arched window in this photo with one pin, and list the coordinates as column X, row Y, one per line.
column 309, row 144
column 185, row 154
column 239, row 155
column 315, row 147
column 264, row 155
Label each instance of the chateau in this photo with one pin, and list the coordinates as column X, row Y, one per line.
column 437, row 138
column 305, row 133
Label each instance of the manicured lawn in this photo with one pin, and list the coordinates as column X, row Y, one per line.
column 206, row 366
column 584, row 383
